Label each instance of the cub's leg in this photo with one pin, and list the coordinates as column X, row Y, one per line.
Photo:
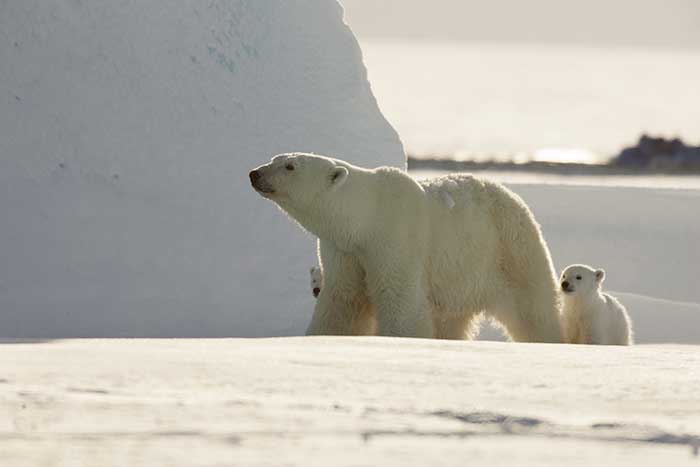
column 528, row 316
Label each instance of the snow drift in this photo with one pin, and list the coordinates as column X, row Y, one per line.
column 127, row 130
column 336, row 401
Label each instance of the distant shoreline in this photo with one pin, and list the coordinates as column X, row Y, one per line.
column 559, row 168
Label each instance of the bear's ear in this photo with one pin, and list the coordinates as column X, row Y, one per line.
column 599, row 275
column 338, row 177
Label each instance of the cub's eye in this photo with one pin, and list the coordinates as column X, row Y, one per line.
column 289, row 166
column 578, row 278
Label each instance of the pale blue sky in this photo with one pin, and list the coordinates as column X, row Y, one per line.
column 674, row 23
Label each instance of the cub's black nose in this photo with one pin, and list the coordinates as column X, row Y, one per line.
column 565, row 285
column 254, row 176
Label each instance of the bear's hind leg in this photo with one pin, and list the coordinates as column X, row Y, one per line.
column 528, row 316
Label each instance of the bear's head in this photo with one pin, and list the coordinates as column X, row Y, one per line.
column 301, row 184
column 316, row 280
column 580, row 280
column 297, row 178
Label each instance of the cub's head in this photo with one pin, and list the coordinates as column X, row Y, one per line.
column 579, row 279
column 297, row 180
column 316, row 280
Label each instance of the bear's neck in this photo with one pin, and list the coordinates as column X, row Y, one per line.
column 339, row 217
column 581, row 303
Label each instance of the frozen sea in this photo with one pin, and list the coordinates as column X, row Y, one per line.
column 568, row 103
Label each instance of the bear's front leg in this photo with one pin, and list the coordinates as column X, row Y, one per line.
column 343, row 300
column 399, row 300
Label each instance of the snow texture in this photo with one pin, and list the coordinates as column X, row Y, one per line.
column 127, row 130
column 347, row 401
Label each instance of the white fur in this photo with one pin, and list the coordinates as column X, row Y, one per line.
column 590, row 316
column 400, row 260
column 447, row 199
column 442, row 192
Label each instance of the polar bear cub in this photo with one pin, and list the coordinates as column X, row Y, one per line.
column 590, row 316
column 316, row 280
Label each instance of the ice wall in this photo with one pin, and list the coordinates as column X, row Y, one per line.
column 127, row 130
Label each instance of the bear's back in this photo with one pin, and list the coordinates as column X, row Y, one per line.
column 457, row 191
column 617, row 321
column 460, row 222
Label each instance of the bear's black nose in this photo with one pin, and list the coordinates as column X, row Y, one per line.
column 565, row 285
column 254, row 176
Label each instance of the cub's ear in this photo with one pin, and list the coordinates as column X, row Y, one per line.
column 338, row 176
column 599, row 275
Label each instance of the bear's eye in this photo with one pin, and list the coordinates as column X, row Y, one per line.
column 289, row 166
column 578, row 278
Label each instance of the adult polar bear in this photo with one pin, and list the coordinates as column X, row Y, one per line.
column 393, row 250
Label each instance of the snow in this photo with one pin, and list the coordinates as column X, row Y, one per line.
column 127, row 131
column 346, row 401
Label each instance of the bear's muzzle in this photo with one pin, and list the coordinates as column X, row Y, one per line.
column 258, row 182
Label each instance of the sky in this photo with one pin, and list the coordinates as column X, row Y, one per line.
column 665, row 23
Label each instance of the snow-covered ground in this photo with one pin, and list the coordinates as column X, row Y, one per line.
column 346, row 401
